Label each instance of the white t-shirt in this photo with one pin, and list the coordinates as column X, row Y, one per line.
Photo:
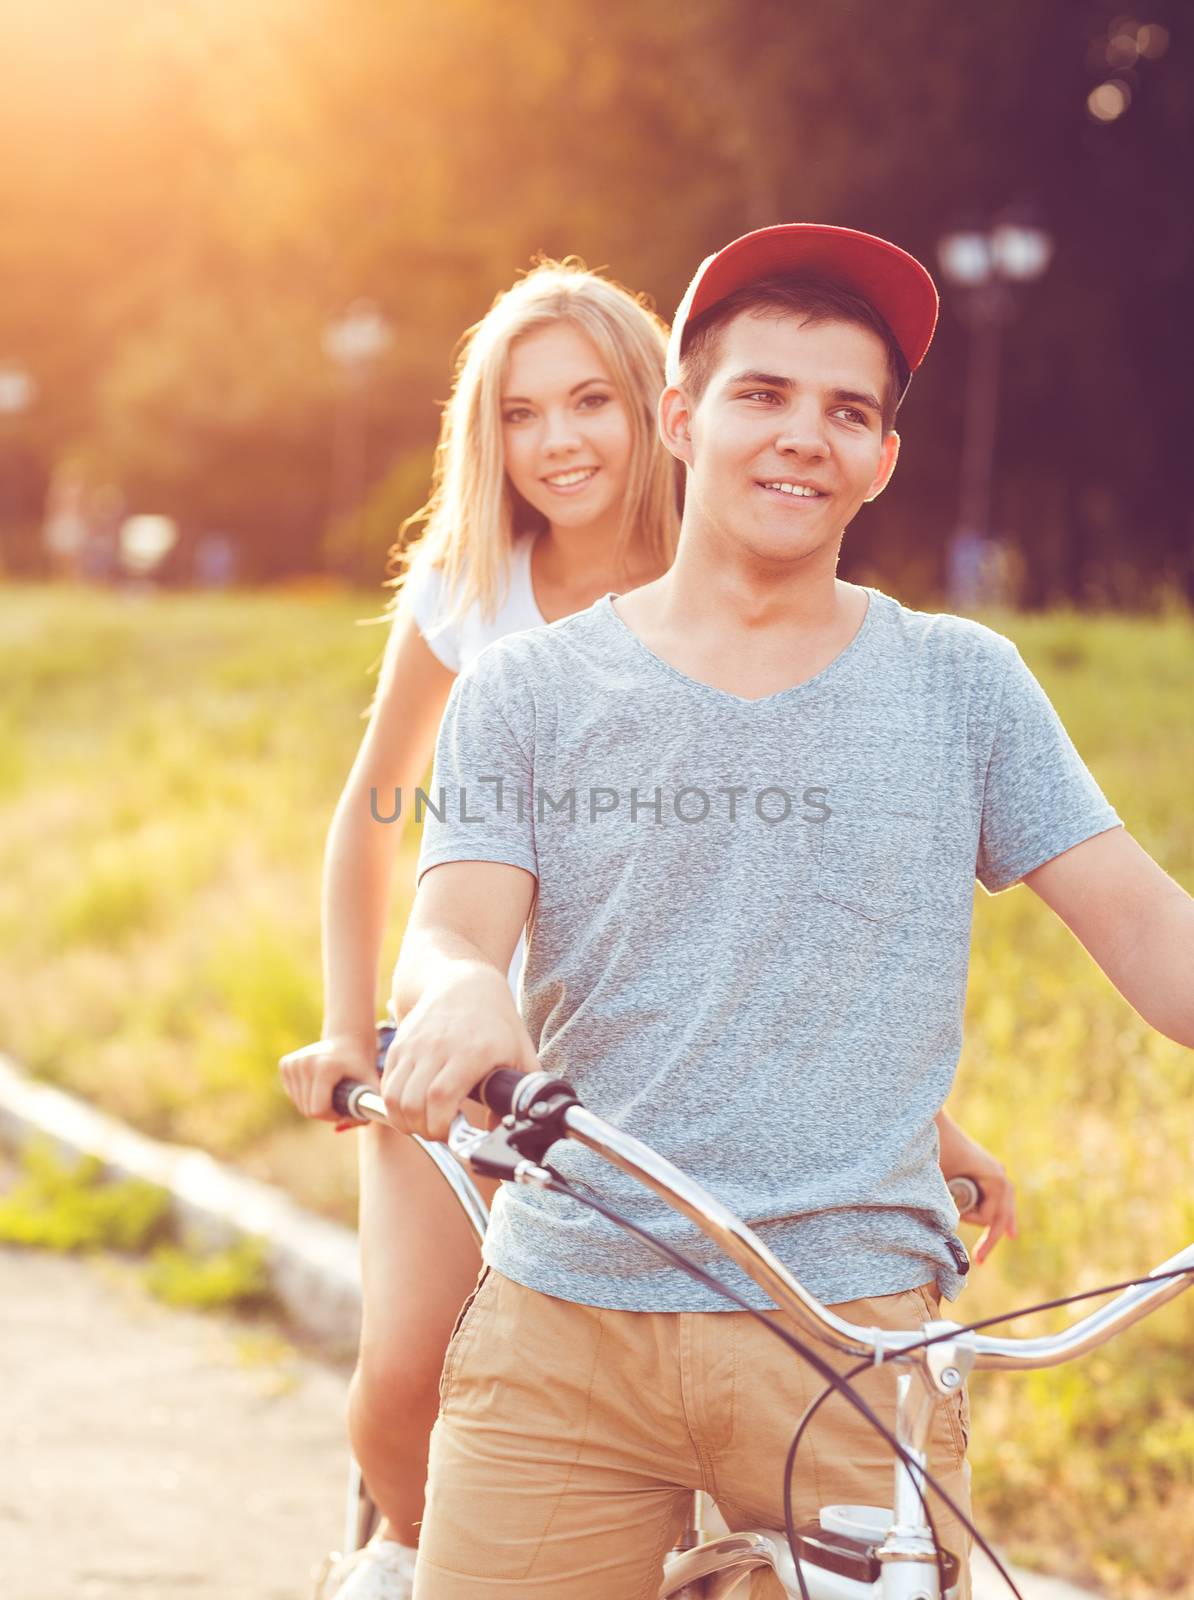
column 457, row 644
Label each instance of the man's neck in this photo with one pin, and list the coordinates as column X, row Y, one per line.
column 748, row 632
column 718, row 582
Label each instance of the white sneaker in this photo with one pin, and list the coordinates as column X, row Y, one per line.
column 383, row 1570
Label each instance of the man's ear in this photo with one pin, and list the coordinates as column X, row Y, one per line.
column 675, row 423
column 888, row 456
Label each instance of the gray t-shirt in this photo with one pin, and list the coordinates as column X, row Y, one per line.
column 751, row 934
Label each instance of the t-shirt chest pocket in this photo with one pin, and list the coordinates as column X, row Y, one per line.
column 873, row 861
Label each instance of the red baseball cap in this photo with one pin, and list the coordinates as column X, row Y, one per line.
column 888, row 278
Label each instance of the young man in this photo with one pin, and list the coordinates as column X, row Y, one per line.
column 743, row 809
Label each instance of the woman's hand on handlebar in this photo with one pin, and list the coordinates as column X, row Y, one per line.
column 309, row 1075
column 962, row 1156
column 443, row 1047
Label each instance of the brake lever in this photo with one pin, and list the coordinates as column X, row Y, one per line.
column 464, row 1138
column 514, row 1149
column 494, row 1152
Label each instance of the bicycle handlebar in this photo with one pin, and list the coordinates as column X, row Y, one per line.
column 508, row 1092
column 496, row 1093
column 498, row 1090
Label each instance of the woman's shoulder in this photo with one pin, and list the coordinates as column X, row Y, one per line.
column 457, row 629
column 427, row 595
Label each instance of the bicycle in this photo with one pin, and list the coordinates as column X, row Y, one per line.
column 850, row 1552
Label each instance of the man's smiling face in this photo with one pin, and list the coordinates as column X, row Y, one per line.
column 787, row 440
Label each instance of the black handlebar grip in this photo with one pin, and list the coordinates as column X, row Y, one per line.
column 967, row 1194
column 385, row 1038
column 497, row 1090
column 341, row 1093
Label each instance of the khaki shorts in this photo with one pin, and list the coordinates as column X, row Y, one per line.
column 570, row 1439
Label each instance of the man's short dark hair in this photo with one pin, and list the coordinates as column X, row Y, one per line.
column 812, row 299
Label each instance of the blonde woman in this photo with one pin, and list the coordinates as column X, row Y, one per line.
column 550, row 491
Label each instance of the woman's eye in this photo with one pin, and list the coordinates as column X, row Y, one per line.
column 594, row 401
column 516, row 414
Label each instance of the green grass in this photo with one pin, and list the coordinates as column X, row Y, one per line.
column 237, row 1276
column 167, row 770
column 67, row 1206
column 1089, row 1469
column 73, row 1206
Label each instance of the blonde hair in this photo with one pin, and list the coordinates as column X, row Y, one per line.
column 474, row 514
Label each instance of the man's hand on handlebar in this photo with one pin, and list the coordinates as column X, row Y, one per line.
column 443, row 1047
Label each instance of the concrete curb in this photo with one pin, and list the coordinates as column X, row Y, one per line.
column 314, row 1265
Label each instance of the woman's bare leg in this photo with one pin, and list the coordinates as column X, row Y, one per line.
column 419, row 1260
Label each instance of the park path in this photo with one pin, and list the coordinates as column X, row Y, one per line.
column 149, row 1453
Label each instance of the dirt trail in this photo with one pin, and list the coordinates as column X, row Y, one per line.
column 148, row 1452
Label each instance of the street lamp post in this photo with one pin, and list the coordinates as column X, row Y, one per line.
column 984, row 266
column 353, row 342
column 17, row 393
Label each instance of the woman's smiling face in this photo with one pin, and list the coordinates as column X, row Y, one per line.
column 565, row 428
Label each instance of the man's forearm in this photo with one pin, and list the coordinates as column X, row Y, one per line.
column 1158, row 975
column 430, row 960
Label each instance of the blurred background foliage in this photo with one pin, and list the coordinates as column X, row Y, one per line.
column 191, row 194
